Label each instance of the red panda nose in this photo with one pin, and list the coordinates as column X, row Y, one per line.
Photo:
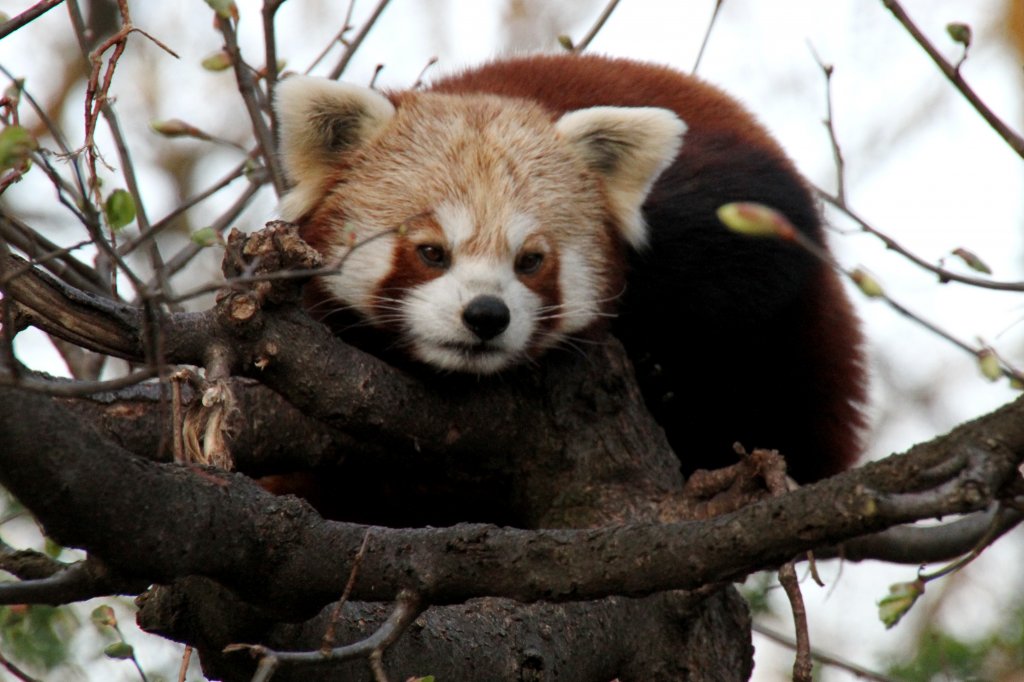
column 486, row 316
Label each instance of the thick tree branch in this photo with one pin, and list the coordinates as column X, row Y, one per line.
column 92, row 494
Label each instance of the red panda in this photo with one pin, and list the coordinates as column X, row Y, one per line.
column 514, row 207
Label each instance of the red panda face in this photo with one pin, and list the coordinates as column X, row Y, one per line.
column 478, row 230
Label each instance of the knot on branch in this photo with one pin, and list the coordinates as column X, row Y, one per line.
column 270, row 265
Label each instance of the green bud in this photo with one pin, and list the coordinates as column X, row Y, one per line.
column 566, row 42
column 959, row 32
column 119, row 650
column 755, row 220
column 869, row 286
column 175, row 127
column 218, row 61
column 206, row 236
column 972, row 261
column 988, row 363
column 103, row 615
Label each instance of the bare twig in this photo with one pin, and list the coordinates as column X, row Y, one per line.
column 15, row 670
column 1012, row 138
column 254, row 104
column 357, row 40
column 837, row 152
column 186, row 657
column 407, row 607
column 419, row 82
column 29, row 15
column 329, row 635
column 585, row 41
column 778, row 226
column 802, row 666
column 339, row 37
column 70, row 389
column 270, row 8
column 707, row 36
column 944, row 274
column 821, row 656
column 160, row 225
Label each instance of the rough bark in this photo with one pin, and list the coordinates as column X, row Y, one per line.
column 607, row 532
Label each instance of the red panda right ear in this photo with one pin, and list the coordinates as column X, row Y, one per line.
column 320, row 119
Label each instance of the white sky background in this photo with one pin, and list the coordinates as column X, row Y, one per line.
column 921, row 165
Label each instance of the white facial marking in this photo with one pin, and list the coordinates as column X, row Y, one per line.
column 456, row 221
column 364, row 267
column 578, row 282
column 433, row 315
column 519, row 227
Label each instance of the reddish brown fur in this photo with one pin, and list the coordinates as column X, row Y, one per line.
column 809, row 408
column 733, row 338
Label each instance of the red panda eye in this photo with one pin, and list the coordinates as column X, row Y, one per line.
column 529, row 263
column 433, row 255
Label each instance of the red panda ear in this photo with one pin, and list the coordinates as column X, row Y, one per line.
column 629, row 147
column 318, row 120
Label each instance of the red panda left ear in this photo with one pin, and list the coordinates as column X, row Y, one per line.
column 628, row 147
column 319, row 120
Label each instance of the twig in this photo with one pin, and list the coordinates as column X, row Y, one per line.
column 585, row 41
column 775, row 225
column 252, row 96
column 1012, row 138
column 983, row 542
column 56, row 259
column 829, row 122
column 329, row 635
column 186, row 657
column 72, row 389
column 353, row 46
column 822, row 657
column 891, row 244
column 802, row 666
column 15, row 670
column 407, row 608
column 191, row 250
column 270, row 8
column 339, row 37
column 418, row 83
column 707, row 35
column 160, row 225
column 29, row 15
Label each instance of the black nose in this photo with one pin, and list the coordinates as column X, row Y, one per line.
column 486, row 316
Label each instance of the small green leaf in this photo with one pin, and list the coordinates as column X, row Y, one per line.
column 959, row 32
column 755, row 220
column 897, row 603
column 566, row 42
column 218, row 61
column 120, row 209
column 972, row 260
column 119, row 650
column 103, row 615
column 207, row 236
column 16, row 143
column 869, row 286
